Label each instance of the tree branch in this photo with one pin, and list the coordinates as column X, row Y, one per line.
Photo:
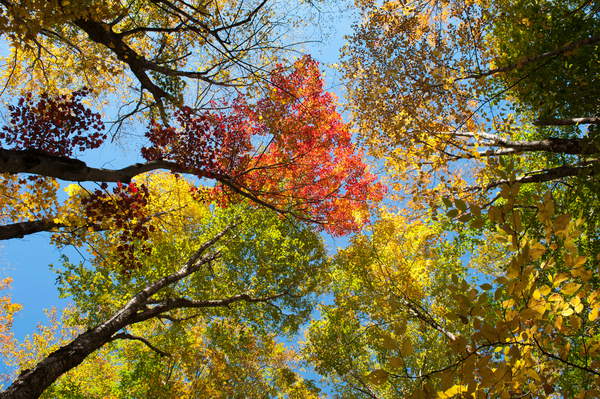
column 557, row 145
column 31, row 383
column 584, row 169
column 565, row 361
column 593, row 120
column 21, row 229
column 181, row 303
column 528, row 60
column 69, row 169
column 141, row 339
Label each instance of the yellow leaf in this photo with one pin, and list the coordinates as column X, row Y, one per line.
column 539, row 306
column 452, row 391
column 395, row 362
column 570, row 288
column 406, row 348
column 536, row 251
column 508, row 303
column 544, row 290
column 555, row 298
column 559, row 278
column 558, row 323
column 594, row 314
column 377, row 377
column 567, row 311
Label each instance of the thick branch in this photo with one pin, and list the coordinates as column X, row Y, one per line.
column 21, row 229
column 557, row 145
column 552, row 144
column 582, row 170
column 102, row 33
column 594, row 120
column 31, row 383
column 69, row 169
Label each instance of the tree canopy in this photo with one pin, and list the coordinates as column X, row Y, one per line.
column 464, row 176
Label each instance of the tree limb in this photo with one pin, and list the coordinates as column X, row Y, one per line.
column 21, row 229
column 593, row 120
column 584, row 169
column 31, row 383
column 528, row 60
column 557, row 145
column 70, row 169
column 141, row 339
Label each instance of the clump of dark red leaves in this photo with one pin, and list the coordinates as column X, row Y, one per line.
column 208, row 143
column 58, row 125
column 125, row 208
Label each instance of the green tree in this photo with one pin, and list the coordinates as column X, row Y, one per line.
column 416, row 323
column 441, row 89
column 200, row 269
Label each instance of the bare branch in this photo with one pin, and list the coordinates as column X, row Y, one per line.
column 141, row 339
column 594, row 120
column 182, row 303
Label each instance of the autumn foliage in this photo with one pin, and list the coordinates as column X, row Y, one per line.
column 58, row 125
column 124, row 210
column 290, row 148
column 199, row 265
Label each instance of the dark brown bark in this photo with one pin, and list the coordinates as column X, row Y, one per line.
column 20, row 230
column 31, row 383
column 69, row 169
column 102, row 33
column 587, row 169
